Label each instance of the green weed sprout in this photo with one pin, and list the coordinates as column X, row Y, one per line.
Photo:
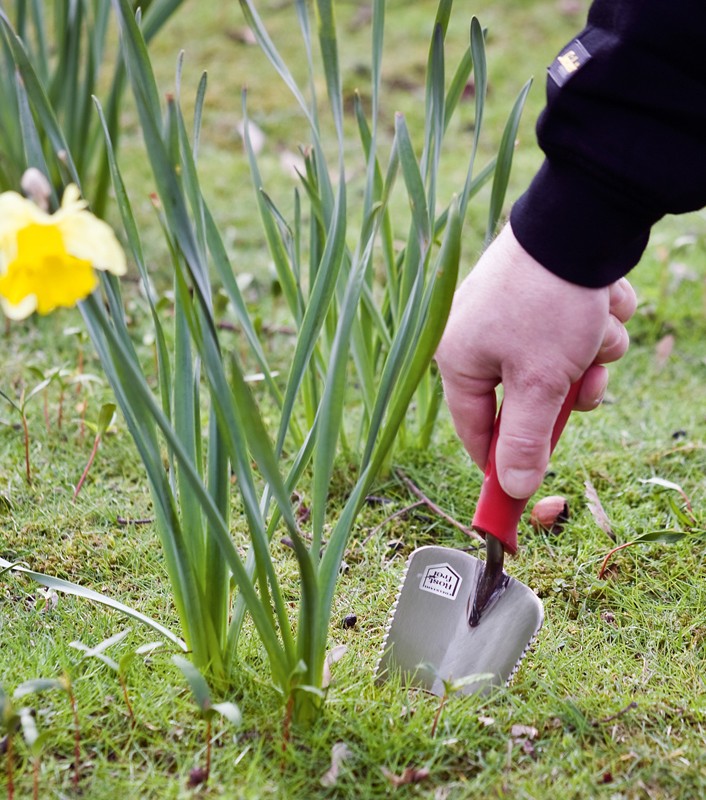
column 208, row 710
column 35, row 742
column 20, row 406
column 121, row 666
column 105, row 420
column 10, row 722
column 453, row 686
column 63, row 684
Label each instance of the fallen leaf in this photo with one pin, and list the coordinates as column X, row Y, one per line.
column 242, row 35
column 528, row 748
column 339, row 753
column 334, row 654
column 597, row 511
column 292, row 163
column 486, row 721
column 523, row 731
column 677, row 488
column 663, row 350
column 257, row 137
column 409, row 775
column 665, row 484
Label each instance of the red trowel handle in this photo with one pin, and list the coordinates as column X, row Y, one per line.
column 497, row 513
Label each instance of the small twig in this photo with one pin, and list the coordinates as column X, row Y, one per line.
column 438, row 511
column 612, row 717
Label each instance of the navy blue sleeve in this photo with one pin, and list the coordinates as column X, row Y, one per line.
column 624, row 135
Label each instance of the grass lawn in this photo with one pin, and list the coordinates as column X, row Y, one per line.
column 608, row 703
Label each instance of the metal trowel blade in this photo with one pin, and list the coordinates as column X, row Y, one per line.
column 429, row 640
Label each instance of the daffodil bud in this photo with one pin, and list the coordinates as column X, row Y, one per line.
column 550, row 514
column 36, row 187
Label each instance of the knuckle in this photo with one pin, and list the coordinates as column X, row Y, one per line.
column 526, row 448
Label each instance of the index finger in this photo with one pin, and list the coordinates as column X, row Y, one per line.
column 473, row 415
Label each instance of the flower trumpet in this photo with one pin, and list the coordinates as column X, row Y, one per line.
column 48, row 261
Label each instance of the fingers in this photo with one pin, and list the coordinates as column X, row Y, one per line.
column 615, row 342
column 526, row 425
column 622, row 305
column 473, row 417
column 593, row 388
column 622, row 299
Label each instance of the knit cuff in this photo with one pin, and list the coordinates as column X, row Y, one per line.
column 578, row 228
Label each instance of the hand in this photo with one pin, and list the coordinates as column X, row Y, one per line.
column 514, row 322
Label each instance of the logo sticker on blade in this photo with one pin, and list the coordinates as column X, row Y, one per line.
column 441, row 579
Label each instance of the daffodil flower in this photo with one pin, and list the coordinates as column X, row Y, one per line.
column 48, row 261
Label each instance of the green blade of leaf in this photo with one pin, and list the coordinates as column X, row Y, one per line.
column 66, row 587
column 197, row 682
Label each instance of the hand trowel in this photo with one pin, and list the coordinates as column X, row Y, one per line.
column 456, row 616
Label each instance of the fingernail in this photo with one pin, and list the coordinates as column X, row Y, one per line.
column 520, row 483
column 601, row 394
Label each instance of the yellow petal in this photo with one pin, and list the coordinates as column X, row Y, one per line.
column 22, row 310
column 92, row 240
column 71, row 199
column 16, row 212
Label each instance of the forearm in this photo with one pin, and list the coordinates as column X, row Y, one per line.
column 624, row 137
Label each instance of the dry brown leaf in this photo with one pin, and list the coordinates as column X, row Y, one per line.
column 339, row 753
column 334, row 654
column 523, row 732
column 409, row 775
column 597, row 511
column 256, row 134
column 663, row 350
column 292, row 163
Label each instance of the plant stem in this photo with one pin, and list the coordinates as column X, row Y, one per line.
column 82, row 429
column 28, row 469
column 60, row 413
column 287, row 724
column 208, row 750
column 77, row 737
column 437, row 716
column 9, row 757
column 601, row 571
column 96, row 442
column 126, row 696
column 35, row 779
column 46, row 410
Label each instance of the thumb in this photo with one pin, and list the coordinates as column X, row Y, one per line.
column 524, row 438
